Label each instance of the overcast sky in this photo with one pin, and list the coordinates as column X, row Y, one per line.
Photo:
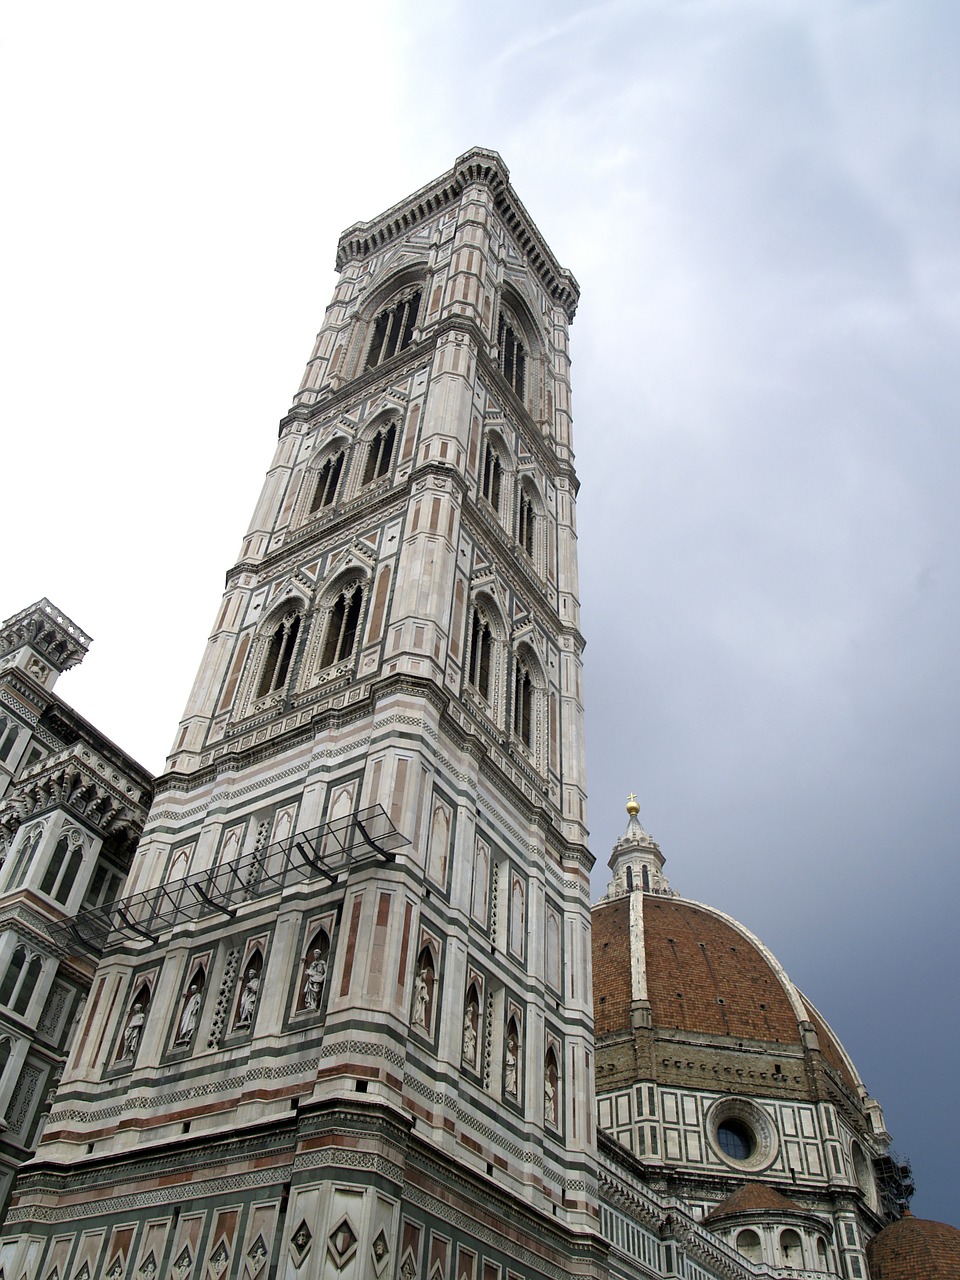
column 759, row 200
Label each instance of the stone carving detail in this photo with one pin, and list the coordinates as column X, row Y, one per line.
column 219, row 1259
column 342, row 1242
column 300, row 1242
column 380, row 1250
column 83, row 1273
column 116, row 1271
column 21, row 1103
column 183, row 1263
column 315, row 973
column 257, row 1255
column 249, row 994
column 223, row 998
column 148, row 1268
column 53, row 1009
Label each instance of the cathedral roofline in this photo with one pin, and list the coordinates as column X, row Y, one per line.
column 476, row 165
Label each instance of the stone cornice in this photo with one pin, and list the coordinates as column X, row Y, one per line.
column 475, row 166
column 48, row 632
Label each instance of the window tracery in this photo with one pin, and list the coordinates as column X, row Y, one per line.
column 328, row 482
column 492, row 477
column 526, row 523
column 511, row 355
column 343, row 625
column 380, row 453
column 61, row 873
column 279, row 655
column 523, row 694
column 20, row 979
column 393, row 329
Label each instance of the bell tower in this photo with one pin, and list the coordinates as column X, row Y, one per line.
column 343, row 1020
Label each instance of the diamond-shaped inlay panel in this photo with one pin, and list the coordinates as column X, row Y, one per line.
column 342, row 1242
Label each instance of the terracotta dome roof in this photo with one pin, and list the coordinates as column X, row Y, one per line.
column 753, row 1197
column 705, row 973
column 915, row 1249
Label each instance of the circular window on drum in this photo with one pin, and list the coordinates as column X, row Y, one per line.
column 741, row 1134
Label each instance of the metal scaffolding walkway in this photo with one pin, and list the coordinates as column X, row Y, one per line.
column 324, row 852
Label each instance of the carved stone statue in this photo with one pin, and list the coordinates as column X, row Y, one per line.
column 421, row 997
column 313, row 980
column 510, row 1066
column 248, row 998
column 132, row 1033
column 469, row 1037
column 188, row 1018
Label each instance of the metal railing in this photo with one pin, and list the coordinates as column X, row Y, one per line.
column 324, row 852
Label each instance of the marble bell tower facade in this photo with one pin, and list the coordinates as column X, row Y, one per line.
column 342, row 1026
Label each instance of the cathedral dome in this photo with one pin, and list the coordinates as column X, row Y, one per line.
column 704, row 974
column 915, row 1249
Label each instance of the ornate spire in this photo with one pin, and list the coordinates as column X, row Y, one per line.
column 636, row 860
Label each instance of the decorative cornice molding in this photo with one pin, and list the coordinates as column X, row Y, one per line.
column 477, row 166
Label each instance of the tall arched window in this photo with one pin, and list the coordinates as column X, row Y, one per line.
column 523, row 703
column 342, row 626
column 791, row 1248
column 551, row 1089
column 478, row 667
column 279, row 655
column 748, row 1243
column 9, row 732
column 510, row 355
column 492, row 476
column 380, row 453
column 526, row 523
column 20, row 979
column 393, row 329
column 328, row 478
column 61, row 873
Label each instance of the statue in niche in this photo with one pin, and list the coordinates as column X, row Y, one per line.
column 188, row 1018
column 510, row 1066
column 248, row 998
column 470, row 1036
column 421, row 996
column 313, row 979
column 132, row 1032
column 549, row 1099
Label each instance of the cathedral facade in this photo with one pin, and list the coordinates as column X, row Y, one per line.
column 343, row 1023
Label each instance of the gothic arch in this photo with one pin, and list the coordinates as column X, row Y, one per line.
column 324, row 482
column 530, row 520
column 518, row 346
column 486, row 652
column 496, row 474
column 387, row 320
column 336, row 633
column 378, row 447
column 276, row 643
column 528, row 700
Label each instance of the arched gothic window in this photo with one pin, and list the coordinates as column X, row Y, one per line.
column 393, row 329
column 279, row 655
column 492, row 476
column 342, row 626
column 20, row 979
column 526, row 523
column 380, row 453
column 328, row 479
column 523, row 703
column 510, row 355
column 9, row 732
column 61, row 873
column 478, row 667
